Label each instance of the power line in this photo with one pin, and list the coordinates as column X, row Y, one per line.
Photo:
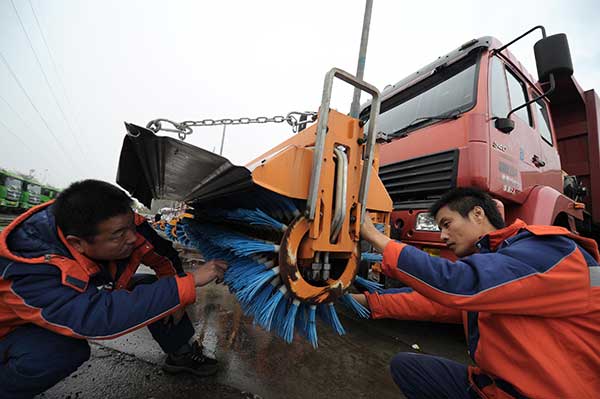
column 60, row 81
column 17, row 137
column 27, row 125
column 2, row 124
column 46, row 79
column 36, row 109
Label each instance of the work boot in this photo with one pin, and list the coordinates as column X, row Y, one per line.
column 192, row 361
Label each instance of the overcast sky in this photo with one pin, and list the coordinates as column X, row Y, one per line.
column 72, row 71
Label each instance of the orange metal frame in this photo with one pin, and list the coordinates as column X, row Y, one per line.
column 286, row 169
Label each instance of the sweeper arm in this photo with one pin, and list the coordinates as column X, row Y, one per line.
column 328, row 171
column 330, row 165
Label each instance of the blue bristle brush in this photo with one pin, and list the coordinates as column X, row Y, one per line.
column 369, row 285
column 260, row 300
column 265, row 317
column 289, row 322
column 328, row 313
column 277, row 324
column 353, row 304
column 255, row 283
column 371, row 257
column 312, row 326
column 255, row 217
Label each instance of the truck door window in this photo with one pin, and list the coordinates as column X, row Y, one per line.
column 518, row 96
column 543, row 124
column 499, row 93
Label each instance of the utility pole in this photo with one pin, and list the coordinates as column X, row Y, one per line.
column 362, row 55
column 222, row 140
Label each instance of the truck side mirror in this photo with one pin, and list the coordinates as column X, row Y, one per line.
column 553, row 60
column 505, row 125
column 552, row 57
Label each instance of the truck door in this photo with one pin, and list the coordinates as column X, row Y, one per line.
column 515, row 158
column 551, row 168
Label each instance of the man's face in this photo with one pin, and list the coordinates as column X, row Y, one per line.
column 461, row 233
column 115, row 239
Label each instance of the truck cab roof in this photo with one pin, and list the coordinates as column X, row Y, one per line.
column 464, row 50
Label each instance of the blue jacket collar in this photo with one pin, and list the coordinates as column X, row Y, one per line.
column 36, row 236
column 492, row 241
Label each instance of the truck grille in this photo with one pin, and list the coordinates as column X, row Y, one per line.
column 12, row 195
column 416, row 183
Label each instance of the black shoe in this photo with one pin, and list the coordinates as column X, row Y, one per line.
column 193, row 362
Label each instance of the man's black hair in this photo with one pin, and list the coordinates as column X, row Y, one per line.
column 463, row 199
column 81, row 207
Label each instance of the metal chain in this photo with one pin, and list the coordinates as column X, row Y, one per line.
column 183, row 129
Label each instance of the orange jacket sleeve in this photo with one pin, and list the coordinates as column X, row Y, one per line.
column 407, row 304
column 542, row 276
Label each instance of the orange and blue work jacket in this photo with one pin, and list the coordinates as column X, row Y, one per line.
column 46, row 282
column 529, row 302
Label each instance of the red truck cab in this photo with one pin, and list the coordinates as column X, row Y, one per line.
column 446, row 127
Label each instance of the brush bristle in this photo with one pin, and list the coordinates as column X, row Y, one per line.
column 289, row 322
column 247, row 238
column 353, row 304
column 369, row 285
column 312, row 326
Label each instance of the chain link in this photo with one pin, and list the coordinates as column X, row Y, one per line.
column 183, row 129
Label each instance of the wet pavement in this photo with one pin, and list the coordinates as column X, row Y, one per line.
column 255, row 363
column 112, row 374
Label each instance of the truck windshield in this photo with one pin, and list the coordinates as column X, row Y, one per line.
column 448, row 92
column 14, row 184
column 34, row 189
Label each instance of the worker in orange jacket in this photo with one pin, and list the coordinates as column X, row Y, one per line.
column 68, row 274
column 528, row 297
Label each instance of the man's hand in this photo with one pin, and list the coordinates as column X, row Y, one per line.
column 175, row 317
column 369, row 232
column 362, row 299
column 211, row 270
column 178, row 315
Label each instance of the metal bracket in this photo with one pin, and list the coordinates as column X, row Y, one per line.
column 322, row 131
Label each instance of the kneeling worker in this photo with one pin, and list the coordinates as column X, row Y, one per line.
column 67, row 272
column 528, row 296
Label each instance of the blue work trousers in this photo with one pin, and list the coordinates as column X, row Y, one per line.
column 424, row 376
column 33, row 359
